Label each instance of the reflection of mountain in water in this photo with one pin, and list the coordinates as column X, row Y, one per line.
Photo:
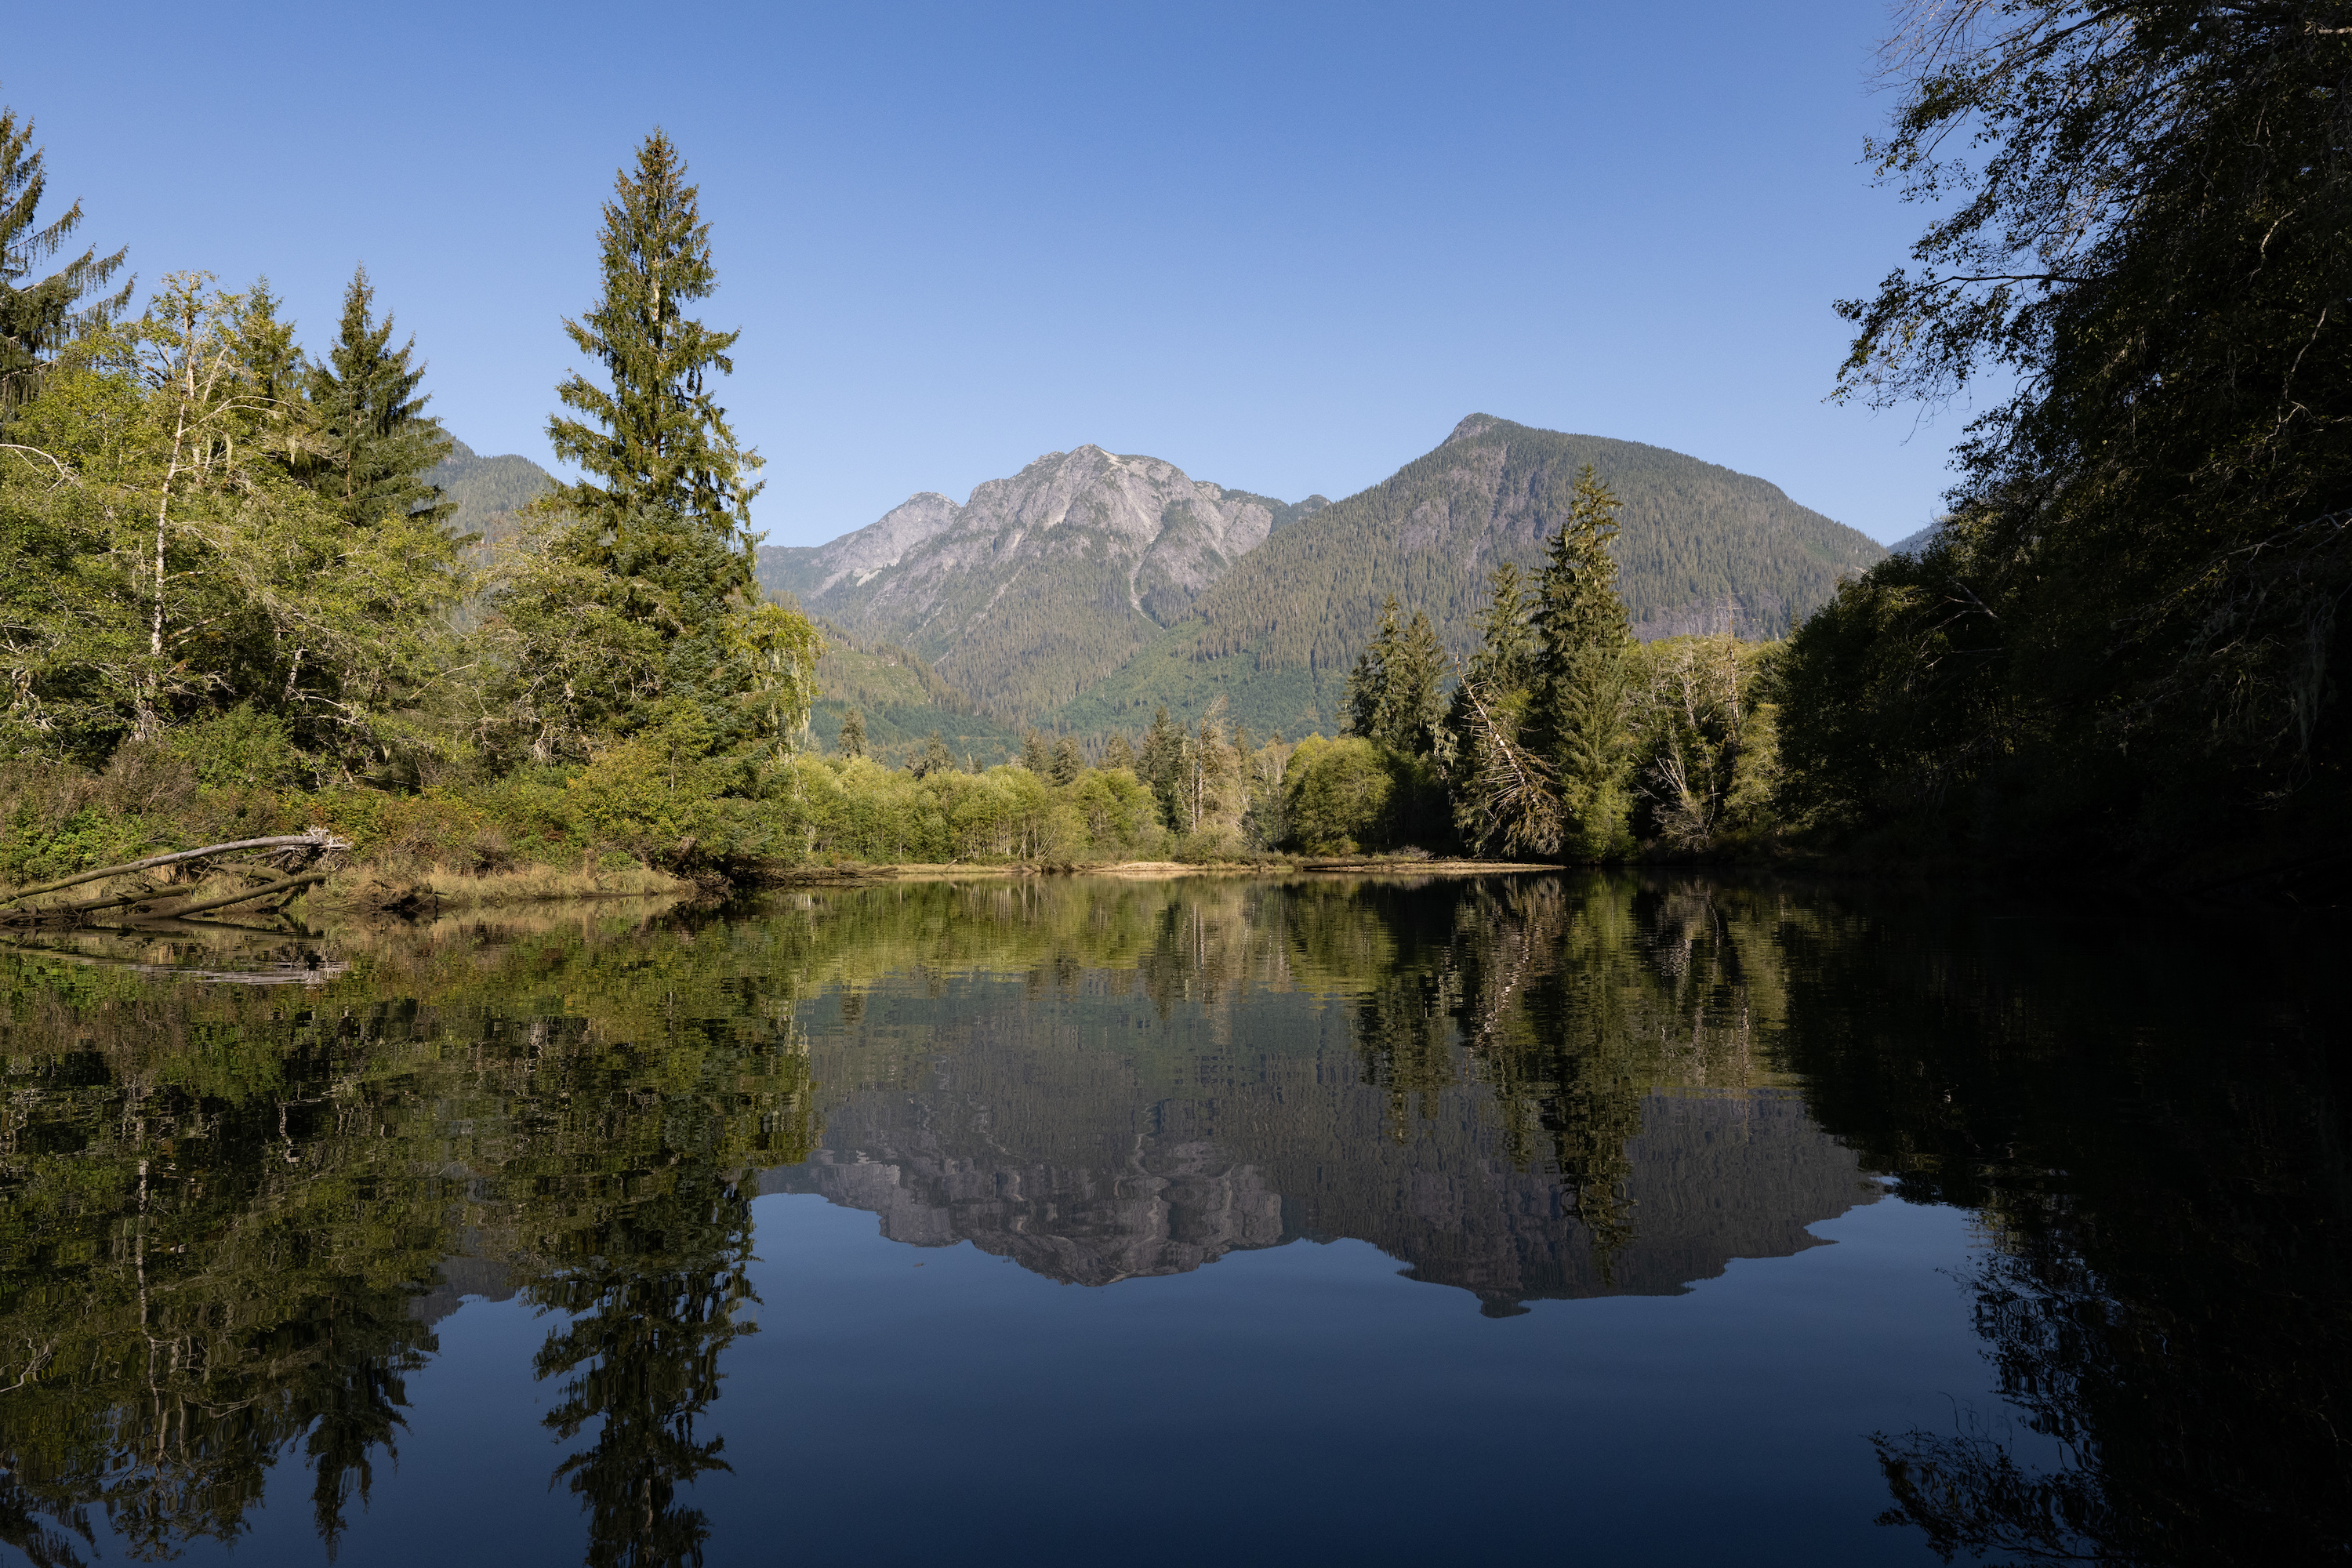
column 1047, row 1141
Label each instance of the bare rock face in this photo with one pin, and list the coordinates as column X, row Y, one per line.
column 1039, row 585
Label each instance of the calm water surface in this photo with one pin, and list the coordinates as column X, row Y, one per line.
column 1613, row 1220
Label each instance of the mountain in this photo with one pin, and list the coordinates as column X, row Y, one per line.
column 1910, row 542
column 903, row 701
column 488, row 491
column 1703, row 548
column 1038, row 586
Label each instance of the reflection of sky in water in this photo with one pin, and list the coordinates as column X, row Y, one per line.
column 1303, row 1403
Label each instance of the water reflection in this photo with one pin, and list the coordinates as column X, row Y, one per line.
column 234, row 1214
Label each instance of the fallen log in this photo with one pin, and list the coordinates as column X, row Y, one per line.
column 317, row 841
column 286, row 885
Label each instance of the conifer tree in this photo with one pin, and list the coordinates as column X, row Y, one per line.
column 38, row 317
column 1393, row 691
column 1066, row 763
column 853, row 734
column 378, row 441
column 1117, row 753
column 934, row 758
column 637, row 607
column 1034, row 756
column 1160, row 764
column 1578, row 716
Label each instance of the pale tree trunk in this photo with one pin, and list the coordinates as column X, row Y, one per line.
column 150, row 717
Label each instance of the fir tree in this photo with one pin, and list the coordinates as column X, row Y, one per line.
column 1034, row 756
column 1578, row 716
column 37, row 318
column 853, row 734
column 1162, row 765
column 1393, row 691
column 637, row 605
column 1117, row 753
column 378, row 441
column 1066, row 763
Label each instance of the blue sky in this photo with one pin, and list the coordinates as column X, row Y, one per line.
column 1284, row 246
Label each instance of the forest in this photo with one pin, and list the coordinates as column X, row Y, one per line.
column 233, row 599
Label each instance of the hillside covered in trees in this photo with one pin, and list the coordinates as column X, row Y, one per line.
column 1702, row 550
column 1090, row 589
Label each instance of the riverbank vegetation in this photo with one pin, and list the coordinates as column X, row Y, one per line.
column 230, row 601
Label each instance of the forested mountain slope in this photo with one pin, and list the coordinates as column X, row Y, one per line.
column 903, row 703
column 488, row 491
column 1040, row 585
column 1703, row 547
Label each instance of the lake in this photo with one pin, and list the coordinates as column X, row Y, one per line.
column 1612, row 1218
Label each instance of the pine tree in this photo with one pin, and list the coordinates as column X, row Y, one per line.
column 378, row 441
column 37, row 319
column 636, row 606
column 853, row 734
column 1578, row 716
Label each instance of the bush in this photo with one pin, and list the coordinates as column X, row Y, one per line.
column 239, row 748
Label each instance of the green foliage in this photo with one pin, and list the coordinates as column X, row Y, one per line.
column 2125, row 639
column 1393, row 691
column 38, row 317
column 1353, row 795
column 1707, row 729
column 366, row 411
column 634, row 594
column 240, row 748
column 178, row 561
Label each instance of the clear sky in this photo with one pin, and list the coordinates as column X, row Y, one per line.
column 1284, row 246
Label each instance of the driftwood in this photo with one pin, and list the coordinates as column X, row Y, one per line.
column 288, row 853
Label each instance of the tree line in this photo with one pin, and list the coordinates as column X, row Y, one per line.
column 213, row 544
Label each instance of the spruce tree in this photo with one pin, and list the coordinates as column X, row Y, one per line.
column 378, row 441
column 38, row 317
column 1117, row 753
column 637, row 607
column 1034, row 756
column 1066, row 763
column 853, row 734
column 1577, row 715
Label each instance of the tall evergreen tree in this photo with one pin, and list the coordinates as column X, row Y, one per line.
column 1067, row 763
column 1160, row 764
column 1393, row 696
column 853, row 734
column 38, row 317
column 1579, row 710
column 378, row 441
column 637, row 607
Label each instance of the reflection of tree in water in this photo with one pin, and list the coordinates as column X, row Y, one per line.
column 1571, row 999
column 216, row 1210
column 2153, row 1126
column 652, row 1308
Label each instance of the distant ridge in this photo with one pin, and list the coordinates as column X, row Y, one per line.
column 1040, row 585
column 489, row 490
column 1704, row 548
